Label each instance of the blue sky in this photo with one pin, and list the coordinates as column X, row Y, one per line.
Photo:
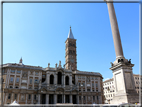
column 37, row 32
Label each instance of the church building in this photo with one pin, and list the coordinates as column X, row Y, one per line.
column 51, row 85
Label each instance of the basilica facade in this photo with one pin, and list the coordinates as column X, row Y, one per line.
column 51, row 85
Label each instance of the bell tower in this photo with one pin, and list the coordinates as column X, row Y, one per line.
column 71, row 52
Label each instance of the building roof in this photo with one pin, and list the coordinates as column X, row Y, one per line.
column 108, row 80
column 70, row 35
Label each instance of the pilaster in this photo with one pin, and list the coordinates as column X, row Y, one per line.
column 55, row 98
column 26, row 98
column 47, row 98
column 18, row 98
column 32, row 99
column 38, row 98
column 55, row 78
column 6, row 95
column 70, row 98
column 47, row 78
column 14, row 79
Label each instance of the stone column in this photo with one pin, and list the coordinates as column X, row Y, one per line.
column 81, row 99
column 70, row 80
column 18, row 98
column 28, row 80
column 47, row 98
column 12, row 97
column 70, row 98
column 40, row 77
column 14, row 79
column 38, row 98
column 55, row 98
column 7, row 78
column 26, row 98
column 85, row 85
column 20, row 79
column 32, row 99
column 47, row 78
column 33, row 79
column 92, row 99
column 86, row 99
column 55, row 79
column 64, row 98
column 115, row 30
column 6, row 95
column 77, row 99
column 64, row 79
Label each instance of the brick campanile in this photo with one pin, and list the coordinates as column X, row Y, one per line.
column 70, row 56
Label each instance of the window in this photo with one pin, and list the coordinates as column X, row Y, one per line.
column 88, row 90
column 9, row 96
column 12, row 71
column 51, row 79
column 18, row 72
column 16, row 87
column 15, row 97
column 92, row 84
column 35, row 97
column 36, row 88
column 79, row 90
column 43, row 75
column 29, row 97
column 79, row 97
column 83, row 77
column 84, row 97
column 96, row 84
column 11, row 79
column 84, row 90
column 17, row 80
column 97, row 97
column 97, row 90
column 79, row 83
column 3, row 71
column 10, row 87
column 93, row 97
column 30, row 87
column 30, row 81
column 67, row 80
column 82, row 84
column 79, row 77
column 36, row 73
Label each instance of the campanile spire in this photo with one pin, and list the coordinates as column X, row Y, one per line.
column 71, row 52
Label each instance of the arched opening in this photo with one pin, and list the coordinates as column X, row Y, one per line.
column 51, row 79
column 67, row 80
column 59, row 78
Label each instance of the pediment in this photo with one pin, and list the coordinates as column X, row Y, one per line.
column 44, row 89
